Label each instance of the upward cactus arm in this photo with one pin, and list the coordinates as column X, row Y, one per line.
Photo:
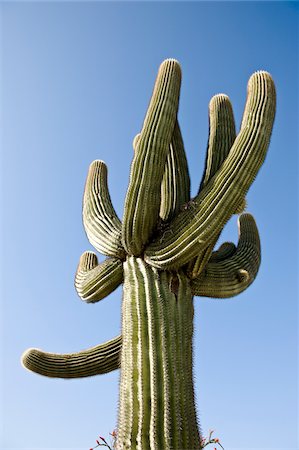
column 231, row 270
column 175, row 188
column 95, row 281
column 102, row 226
column 222, row 133
column 143, row 197
column 97, row 360
column 194, row 229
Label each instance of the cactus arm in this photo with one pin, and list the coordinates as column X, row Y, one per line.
column 143, row 197
column 95, row 281
column 222, row 133
column 175, row 187
column 102, row 226
column 226, row 250
column 195, row 228
column 231, row 270
column 96, row 360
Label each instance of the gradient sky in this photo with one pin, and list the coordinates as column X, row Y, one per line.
column 76, row 80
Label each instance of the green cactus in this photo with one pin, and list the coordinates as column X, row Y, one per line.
column 163, row 254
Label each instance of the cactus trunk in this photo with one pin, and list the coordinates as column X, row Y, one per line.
column 157, row 409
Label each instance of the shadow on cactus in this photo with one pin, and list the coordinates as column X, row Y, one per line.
column 163, row 253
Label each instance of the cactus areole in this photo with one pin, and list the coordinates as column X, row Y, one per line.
column 163, row 253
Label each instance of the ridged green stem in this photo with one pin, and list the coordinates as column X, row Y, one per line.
column 157, row 409
column 97, row 360
column 175, row 186
column 148, row 164
column 94, row 281
column 222, row 133
column 102, row 226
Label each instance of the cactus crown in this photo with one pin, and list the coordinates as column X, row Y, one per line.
column 167, row 239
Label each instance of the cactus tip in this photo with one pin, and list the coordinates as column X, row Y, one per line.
column 26, row 357
column 260, row 74
column 97, row 163
column 171, row 61
column 88, row 260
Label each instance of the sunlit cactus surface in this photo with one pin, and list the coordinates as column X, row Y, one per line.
column 163, row 253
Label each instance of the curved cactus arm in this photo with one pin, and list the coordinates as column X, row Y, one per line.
column 196, row 228
column 143, row 197
column 226, row 250
column 95, row 281
column 96, row 360
column 226, row 277
column 102, row 226
column 175, row 187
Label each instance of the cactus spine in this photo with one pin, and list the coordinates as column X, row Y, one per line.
column 163, row 253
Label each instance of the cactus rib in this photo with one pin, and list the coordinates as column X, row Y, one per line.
column 226, row 277
column 96, row 360
column 130, row 374
column 102, row 226
column 193, row 229
column 148, row 163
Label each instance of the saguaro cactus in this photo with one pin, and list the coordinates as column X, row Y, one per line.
column 163, row 254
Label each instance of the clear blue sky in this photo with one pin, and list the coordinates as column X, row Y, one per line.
column 76, row 81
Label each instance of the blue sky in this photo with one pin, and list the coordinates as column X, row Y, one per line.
column 75, row 84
